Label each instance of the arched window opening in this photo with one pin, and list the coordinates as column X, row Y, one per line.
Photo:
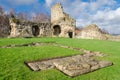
column 35, row 30
column 57, row 30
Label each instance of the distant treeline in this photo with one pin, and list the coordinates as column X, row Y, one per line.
column 5, row 24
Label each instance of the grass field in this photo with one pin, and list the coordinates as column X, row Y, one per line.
column 12, row 65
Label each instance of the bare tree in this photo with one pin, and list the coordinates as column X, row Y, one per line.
column 41, row 17
column 4, row 24
column 12, row 13
column 22, row 16
column 4, row 19
column 1, row 10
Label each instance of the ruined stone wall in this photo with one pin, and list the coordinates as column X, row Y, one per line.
column 62, row 25
column 19, row 29
column 45, row 29
column 64, row 21
column 29, row 29
column 91, row 32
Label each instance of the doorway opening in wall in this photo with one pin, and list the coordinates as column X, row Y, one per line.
column 9, row 30
column 70, row 34
column 35, row 30
column 57, row 30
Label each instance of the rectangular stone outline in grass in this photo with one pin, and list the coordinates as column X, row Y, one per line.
column 71, row 65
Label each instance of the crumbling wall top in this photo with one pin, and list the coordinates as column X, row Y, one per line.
column 57, row 13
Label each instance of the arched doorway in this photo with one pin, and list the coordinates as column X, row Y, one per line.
column 57, row 30
column 35, row 30
column 70, row 34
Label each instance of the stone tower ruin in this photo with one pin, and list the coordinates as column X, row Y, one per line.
column 61, row 23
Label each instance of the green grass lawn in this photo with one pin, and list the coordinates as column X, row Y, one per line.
column 12, row 65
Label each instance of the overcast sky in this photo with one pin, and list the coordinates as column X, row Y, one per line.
column 104, row 13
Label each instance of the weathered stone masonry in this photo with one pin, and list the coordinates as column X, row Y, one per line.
column 62, row 25
column 29, row 29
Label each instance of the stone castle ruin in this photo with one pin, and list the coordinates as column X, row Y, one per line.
column 62, row 25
